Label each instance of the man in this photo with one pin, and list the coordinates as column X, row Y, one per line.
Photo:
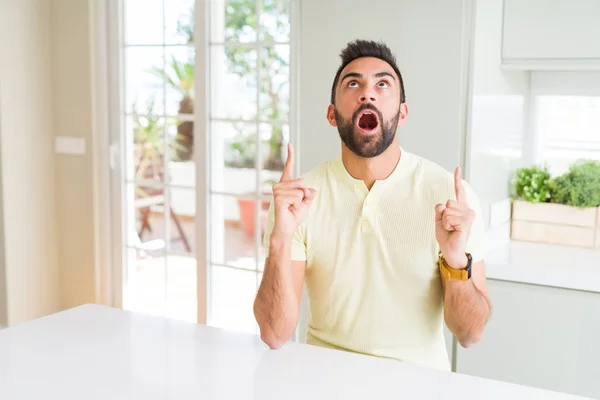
column 388, row 243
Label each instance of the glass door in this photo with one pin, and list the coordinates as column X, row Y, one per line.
column 157, row 178
column 249, row 75
column 203, row 127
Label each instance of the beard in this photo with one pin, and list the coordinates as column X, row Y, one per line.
column 366, row 146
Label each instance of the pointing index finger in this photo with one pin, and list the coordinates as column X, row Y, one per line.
column 458, row 187
column 289, row 165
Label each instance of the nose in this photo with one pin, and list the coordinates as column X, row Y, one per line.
column 368, row 96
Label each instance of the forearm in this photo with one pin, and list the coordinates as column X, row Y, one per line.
column 276, row 307
column 466, row 310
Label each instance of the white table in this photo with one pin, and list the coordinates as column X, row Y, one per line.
column 94, row 352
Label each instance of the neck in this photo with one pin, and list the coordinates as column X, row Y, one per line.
column 372, row 169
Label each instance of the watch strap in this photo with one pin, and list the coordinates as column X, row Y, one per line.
column 449, row 273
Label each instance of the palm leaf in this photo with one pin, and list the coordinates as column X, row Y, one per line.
column 163, row 76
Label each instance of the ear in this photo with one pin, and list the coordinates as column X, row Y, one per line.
column 402, row 114
column 331, row 115
column 403, row 111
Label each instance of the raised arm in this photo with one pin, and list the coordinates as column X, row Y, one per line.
column 467, row 306
column 277, row 303
column 466, row 302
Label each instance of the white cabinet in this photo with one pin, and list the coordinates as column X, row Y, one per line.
column 539, row 336
column 551, row 34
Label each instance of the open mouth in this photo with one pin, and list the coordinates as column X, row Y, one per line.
column 368, row 121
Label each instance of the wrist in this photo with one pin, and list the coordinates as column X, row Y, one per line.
column 457, row 262
column 279, row 241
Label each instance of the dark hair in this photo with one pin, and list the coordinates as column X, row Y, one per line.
column 367, row 48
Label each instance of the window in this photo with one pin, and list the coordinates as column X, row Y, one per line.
column 248, row 111
column 567, row 129
column 565, row 118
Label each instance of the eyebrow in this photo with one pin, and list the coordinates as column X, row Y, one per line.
column 359, row 75
column 381, row 74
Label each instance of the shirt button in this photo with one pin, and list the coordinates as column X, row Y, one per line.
column 356, row 185
column 366, row 226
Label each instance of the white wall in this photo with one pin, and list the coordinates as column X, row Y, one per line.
column 428, row 39
column 498, row 112
column 27, row 158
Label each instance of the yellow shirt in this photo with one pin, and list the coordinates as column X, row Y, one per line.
column 371, row 275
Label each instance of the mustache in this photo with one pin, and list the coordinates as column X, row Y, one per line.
column 367, row 106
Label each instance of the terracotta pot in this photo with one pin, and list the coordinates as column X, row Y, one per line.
column 247, row 216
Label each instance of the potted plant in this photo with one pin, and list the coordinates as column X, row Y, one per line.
column 179, row 75
column 564, row 210
column 242, row 154
column 148, row 143
column 247, row 208
column 580, row 187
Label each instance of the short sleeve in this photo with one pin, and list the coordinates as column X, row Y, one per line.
column 476, row 243
column 298, row 250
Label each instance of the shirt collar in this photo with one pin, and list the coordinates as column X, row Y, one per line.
column 401, row 169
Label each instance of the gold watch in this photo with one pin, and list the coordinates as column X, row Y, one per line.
column 448, row 272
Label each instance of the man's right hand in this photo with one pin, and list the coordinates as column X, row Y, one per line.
column 291, row 201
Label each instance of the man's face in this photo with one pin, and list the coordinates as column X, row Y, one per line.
column 367, row 107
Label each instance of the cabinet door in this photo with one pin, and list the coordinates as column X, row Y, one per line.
column 539, row 336
column 557, row 30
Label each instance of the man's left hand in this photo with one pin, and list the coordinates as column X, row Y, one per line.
column 453, row 222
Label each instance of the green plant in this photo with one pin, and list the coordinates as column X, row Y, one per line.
column 242, row 151
column 148, row 137
column 148, row 141
column 532, row 184
column 179, row 75
column 579, row 187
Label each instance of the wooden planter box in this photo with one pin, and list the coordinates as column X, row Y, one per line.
column 556, row 224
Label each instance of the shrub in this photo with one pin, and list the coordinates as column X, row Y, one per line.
column 579, row 187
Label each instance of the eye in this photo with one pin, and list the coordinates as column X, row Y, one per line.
column 353, row 84
column 383, row 84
